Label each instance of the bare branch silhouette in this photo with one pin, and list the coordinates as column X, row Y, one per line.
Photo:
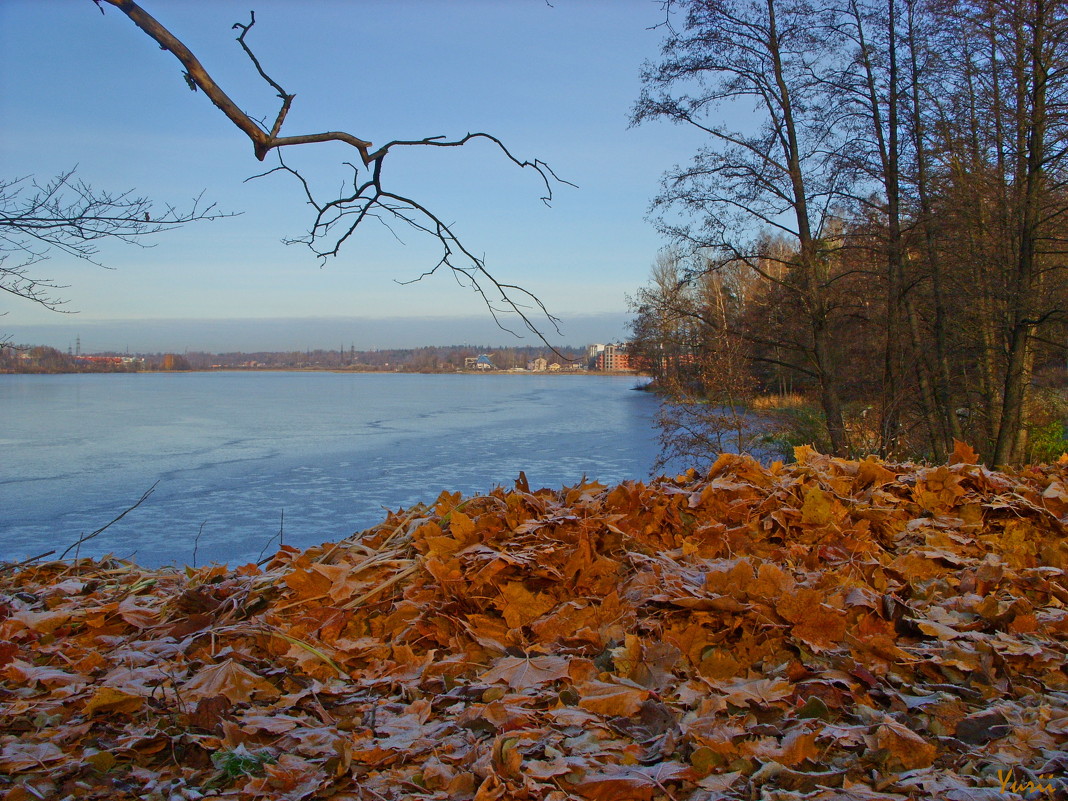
column 337, row 219
column 69, row 216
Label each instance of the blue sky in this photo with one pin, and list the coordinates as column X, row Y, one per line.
column 554, row 82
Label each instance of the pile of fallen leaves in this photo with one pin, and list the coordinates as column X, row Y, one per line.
column 825, row 629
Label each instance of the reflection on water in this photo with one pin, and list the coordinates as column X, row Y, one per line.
column 234, row 451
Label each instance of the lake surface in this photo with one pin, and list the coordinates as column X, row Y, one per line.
column 233, row 452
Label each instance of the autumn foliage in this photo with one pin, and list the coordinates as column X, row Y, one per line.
column 826, row 629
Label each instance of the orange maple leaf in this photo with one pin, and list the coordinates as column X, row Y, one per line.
column 963, row 453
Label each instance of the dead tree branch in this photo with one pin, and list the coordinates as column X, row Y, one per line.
column 336, row 220
column 69, row 216
column 76, row 546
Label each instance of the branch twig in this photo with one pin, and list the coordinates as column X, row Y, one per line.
column 86, row 537
column 336, row 220
column 24, row 562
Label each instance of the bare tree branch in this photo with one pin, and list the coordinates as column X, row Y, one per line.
column 76, row 546
column 69, row 216
column 338, row 219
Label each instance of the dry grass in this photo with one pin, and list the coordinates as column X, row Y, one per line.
column 792, row 400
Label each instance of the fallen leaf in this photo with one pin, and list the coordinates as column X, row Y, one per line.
column 816, row 509
column 109, row 700
column 21, row 671
column 20, row 755
column 521, row 606
column 906, row 749
column 963, row 453
column 521, row 673
column 761, row 692
column 610, row 698
column 230, row 679
column 629, row 782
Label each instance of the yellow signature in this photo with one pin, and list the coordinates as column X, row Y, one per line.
column 1043, row 785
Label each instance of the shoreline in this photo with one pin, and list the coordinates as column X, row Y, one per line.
column 336, row 370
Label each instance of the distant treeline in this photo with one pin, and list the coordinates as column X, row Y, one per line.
column 40, row 359
column 428, row 359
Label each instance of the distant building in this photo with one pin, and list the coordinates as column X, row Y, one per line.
column 108, row 360
column 538, row 365
column 613, row 357
column 593, row 353
column 483, row 363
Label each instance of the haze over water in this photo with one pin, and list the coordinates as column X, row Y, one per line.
column 231, row 451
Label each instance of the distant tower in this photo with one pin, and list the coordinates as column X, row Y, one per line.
column 78, row 346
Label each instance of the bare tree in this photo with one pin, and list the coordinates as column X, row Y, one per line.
column 69, row 216
column 766, row 58
column 998, row 204
column 366, row 196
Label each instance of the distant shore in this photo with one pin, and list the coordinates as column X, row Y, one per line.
column 435, row 359
column 375, row 371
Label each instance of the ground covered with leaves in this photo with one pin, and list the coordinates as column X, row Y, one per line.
column 820, row 630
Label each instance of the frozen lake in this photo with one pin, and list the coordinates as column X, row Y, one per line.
column 232, row 451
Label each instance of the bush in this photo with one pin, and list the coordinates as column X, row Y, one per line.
column 797, row 424
column 1046, row 426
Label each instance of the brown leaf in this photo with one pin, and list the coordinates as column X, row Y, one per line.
column 208, row 712
column 818, row 625
column 798, row 746
column 521, row 606
column 138, row 616
column 462, row 528
column 938, row 630
column 963, row 453
column 289, row 779
column 20, row 755
column 906, row 749
column 231, row 679
column 762, row 692
column 609, row 698
column 109, row 700
column 981, row 727
column 43, row 622
column 21, row 671
column 871, row 473
column 630, row 782
column 506, row 756
column 546, row 770
column 306, row 584
column 271, row 722
column 8, row 650
column 521, row 673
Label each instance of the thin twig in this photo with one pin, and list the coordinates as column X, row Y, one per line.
column 86, row 537
column 196, row 542
column 24, row 562
column 378, row 588
column 261, row 559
